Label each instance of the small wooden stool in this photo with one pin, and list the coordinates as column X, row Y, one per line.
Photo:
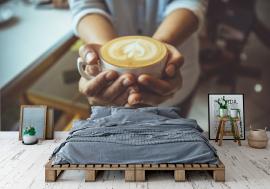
column 221, row 130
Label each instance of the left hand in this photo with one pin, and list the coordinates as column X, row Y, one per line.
column 154, row 91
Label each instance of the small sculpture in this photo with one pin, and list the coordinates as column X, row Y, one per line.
column 29, row 135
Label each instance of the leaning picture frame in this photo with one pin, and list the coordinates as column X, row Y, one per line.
column 50, row 124
column 233, row 109
column 34, row 116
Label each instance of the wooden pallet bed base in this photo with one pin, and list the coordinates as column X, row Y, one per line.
column 134, row 172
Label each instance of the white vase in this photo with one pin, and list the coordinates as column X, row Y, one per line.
column 223, row 112
column 234, row 113
column 29, row 139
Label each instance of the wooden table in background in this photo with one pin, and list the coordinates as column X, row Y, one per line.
column 52, row 90
column 22, row 166
column 31, row 44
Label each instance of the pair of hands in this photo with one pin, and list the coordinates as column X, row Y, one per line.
column 110, row 88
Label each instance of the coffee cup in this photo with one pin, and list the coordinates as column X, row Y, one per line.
column 131, row 54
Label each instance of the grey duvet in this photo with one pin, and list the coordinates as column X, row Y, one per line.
column 120, row 135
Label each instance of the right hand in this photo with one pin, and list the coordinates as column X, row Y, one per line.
column 106, row 87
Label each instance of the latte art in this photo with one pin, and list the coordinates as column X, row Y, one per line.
column 133, row 51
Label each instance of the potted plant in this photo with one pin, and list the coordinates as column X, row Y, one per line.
column 29, row 135
column 234, row 113
column 223, row 106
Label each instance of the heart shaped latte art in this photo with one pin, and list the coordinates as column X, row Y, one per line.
column 133, row 51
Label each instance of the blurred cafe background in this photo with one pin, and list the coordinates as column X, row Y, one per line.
column 38, row 53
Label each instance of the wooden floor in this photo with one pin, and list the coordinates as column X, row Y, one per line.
column 134, row 172
column 22, row 166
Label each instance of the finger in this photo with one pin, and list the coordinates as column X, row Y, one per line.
column 146, row 99
column 122, row 99
column 175, row 57
column 95, row 85
column 118, row 86
column 141, row 99
column 170, row 70
column 128, row 105
column 92, row 70
column 135, row 98
column 95, row 101
column 155, row 85
column 175, row 60
column 89, row 53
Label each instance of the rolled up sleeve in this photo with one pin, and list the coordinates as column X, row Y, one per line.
column 81, row 8
column 198, row 7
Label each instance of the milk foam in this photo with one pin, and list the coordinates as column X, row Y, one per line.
column 135, row 49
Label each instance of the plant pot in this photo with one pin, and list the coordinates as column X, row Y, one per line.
column 234, row 113
column 223, row 112
column 257, row 138
column 29, row 139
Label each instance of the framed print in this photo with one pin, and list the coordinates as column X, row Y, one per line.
column 50, row 124
column 229, row 107
column 33, row 116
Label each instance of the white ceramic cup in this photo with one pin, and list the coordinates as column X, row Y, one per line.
column 234, row 113
column 153, row 67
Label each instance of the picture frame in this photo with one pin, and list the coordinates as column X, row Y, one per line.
column 35, row 116
column 235, row 108
column 50, row 124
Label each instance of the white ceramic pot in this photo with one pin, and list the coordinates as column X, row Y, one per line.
column 28, row 139
column 234, row 113
column 154, row 69
column 223, row 112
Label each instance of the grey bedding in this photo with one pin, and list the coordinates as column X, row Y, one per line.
column 143, row 135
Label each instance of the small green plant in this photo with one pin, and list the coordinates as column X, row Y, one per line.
column 29, row 131
column 223, row 104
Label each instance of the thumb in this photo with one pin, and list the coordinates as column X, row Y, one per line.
column 174, row 61
column 89, row 53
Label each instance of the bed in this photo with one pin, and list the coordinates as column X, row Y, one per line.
column 118, row 135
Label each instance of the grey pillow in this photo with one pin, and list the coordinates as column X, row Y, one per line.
column 103, row 111
column 169, row 112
